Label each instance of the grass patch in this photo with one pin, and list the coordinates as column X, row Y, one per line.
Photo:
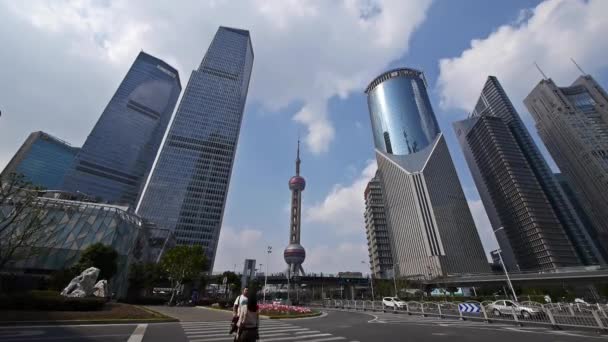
column 110, row 312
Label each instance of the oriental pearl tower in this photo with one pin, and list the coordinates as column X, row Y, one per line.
column 294, row 253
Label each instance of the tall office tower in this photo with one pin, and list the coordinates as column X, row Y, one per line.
column 429, row 221
column 120, row 150
column 573, row 124
column 187, row 188
column 526, row 227
column 571, row 195
column 378, row 241
column 494, row 101
column 42, row 159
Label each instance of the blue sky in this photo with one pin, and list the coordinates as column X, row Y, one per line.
column 313, row 60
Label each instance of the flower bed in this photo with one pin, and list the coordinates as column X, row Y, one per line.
column 285, row 311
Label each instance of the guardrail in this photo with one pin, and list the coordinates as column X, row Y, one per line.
column 526, row 313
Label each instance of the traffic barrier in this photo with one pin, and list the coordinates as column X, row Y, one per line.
column 556, row 315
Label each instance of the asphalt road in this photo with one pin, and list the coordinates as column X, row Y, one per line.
column 203, row 325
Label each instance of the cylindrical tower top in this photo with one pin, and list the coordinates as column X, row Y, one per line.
column 402, row 118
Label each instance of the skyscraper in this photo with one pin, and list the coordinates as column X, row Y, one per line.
column 429, row 221
column 294, row 253
column 187, row 188
column 378, row 241
column 43, row 160
column 119, row 151
column 494, row 101
column 573, row 123
column 526, row 227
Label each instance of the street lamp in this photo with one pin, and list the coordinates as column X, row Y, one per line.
column 268, row 251
column 506, row 274
column 371, row 278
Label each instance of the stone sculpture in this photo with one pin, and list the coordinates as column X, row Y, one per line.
column 82, row 285
column 101, row 289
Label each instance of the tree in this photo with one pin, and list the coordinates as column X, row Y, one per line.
column 24, row 221
column 145, row 277
column 101, row 256
column 183, row 262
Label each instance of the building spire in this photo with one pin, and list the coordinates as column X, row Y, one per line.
column 298, row 159
column 578, row 66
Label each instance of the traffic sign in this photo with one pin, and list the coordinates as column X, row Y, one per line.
column 468, row 307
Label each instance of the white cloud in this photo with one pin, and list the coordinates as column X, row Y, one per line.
column 343, row 207
column 484, row 228
column 549, row 34
column 332, row 259
column 235, row 246
column 305, row 51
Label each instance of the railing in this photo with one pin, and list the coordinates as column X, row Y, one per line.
column 527, row 313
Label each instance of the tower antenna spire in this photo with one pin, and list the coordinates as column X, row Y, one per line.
column 298, row 157
column 541, row 71
column 578, row 66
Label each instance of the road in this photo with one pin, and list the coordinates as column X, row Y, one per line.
column 203, row 325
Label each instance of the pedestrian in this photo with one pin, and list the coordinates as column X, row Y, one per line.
column 249, row 320
column 240, row 301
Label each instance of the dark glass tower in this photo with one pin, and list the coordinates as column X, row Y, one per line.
column 429, row 223
column 573, row 123
column 526, row 227
column 187, row 188
column 118, row 153
column 494, row 101
column 43, row 160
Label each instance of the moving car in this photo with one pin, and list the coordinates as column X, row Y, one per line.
column 393, row 302
column 507, row 307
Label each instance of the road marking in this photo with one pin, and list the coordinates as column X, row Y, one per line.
column 138, row 333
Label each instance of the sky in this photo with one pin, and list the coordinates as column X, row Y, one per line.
column 63, row 60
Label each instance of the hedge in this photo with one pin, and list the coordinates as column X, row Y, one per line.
column 49, row 301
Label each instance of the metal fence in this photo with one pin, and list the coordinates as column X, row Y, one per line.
column 556, row 315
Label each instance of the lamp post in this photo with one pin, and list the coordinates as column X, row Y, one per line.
column 506, row 274
column 268, row 251
column 371, row 279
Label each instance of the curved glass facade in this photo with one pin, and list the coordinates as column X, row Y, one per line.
column 402, row 118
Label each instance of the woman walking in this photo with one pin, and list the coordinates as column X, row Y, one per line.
column 249, row 320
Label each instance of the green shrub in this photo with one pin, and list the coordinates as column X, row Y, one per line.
column 49, row 301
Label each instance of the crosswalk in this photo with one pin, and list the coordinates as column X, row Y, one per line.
column 270, row 330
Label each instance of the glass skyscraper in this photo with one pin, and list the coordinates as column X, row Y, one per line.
column 119, row 152
column 430, row 227
column 527, row 209
column 43, row 160
column 187, row 188
column 573, row 123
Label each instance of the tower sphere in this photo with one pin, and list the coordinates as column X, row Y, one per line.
column 297, row 183
column 294, row 254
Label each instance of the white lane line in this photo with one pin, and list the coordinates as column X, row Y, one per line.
column 307, row 332
column 138, row 333
column 260, row 331
column 295, row 337
column 227, row 338
column 327, row 339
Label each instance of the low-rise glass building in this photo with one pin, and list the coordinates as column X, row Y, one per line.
column 70, row 226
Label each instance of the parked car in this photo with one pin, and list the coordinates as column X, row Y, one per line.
column 393, row 302
column 506, row 307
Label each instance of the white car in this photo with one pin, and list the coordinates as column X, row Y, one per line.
column 507, row 307
column 392, row 302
